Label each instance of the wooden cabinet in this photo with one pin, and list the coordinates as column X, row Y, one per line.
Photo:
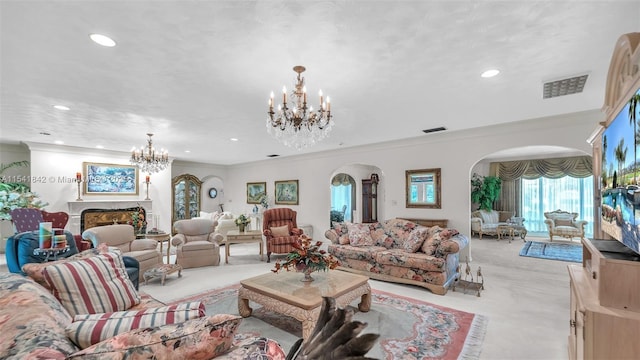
column 370, row 199
column 186, row 193
column 604, row 316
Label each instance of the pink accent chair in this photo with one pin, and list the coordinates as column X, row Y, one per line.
column 276, row 218
column 26, row 219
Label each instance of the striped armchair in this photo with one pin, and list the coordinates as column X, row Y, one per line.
column 277, row 241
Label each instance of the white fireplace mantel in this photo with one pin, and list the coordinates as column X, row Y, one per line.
column 77, row 207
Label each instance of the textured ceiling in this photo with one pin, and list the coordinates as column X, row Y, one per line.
column 197, row 73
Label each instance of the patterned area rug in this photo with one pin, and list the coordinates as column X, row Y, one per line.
column 409, row 328
column 552, row 251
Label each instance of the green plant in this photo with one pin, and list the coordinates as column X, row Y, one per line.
column 485, row 190
column 16, row 194
column 243, row 220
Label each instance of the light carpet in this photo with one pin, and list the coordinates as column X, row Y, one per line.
column 552, row 251
column 408, row 328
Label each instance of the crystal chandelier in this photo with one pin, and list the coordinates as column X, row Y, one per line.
column 148, row 160
column 295, row 124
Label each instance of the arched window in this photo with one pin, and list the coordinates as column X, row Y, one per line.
column 343, row 191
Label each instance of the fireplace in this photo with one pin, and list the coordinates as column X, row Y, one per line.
column 90, row 213
column 99, row 217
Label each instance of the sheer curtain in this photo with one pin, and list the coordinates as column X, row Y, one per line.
column 341, row 196
column 566, row 193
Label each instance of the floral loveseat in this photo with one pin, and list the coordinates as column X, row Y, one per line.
column 398, row 250
column 36, row 324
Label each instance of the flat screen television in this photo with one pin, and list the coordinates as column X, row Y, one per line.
column 620, row 177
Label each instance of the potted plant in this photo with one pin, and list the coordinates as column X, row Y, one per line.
column 485, row 190
column 242, row 221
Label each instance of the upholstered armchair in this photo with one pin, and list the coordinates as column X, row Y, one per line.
column 197, row 243
column 26, row 219
column 280, row 229
column 485, row 222
column 565, row 224
column 122, row 236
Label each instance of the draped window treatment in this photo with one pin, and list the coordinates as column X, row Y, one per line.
column 532, row 187
column 342, row 193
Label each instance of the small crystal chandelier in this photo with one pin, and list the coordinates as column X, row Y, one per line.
column 148, row 160
column 299, row 126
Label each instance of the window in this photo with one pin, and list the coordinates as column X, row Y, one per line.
column 566, row 193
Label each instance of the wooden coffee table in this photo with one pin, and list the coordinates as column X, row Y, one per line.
column 286, row 294
column 237, row 237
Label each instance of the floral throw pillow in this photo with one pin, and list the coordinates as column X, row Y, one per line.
column 360, row 235
column 342, row 230
column 415, row 239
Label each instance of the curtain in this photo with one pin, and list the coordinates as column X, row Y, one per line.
column 577, row 167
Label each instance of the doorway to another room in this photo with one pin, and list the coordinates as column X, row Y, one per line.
column 343, row 197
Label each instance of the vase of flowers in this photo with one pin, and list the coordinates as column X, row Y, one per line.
column 138, row 221
column 242, row 221
column 306, row 258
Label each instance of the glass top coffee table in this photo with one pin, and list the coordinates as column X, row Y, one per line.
column 285, row 293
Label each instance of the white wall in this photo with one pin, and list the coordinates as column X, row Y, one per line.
column 455, row 153
column 58, row 165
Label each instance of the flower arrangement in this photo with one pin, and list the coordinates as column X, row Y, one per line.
column 242, row 220
column 138, row 220
column 10, row 200
column 264, row 201
column 307, row 257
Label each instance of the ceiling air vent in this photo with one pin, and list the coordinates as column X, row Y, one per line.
column 273, row 155
column 441, row 128
column 563, row 87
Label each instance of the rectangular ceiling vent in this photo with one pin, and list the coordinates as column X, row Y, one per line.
column 273, row 155
column 428, row 131
column 563, row 87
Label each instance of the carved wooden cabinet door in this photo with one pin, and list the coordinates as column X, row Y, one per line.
column 186, row 192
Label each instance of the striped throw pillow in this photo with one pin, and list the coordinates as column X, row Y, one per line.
column 87, row 330
column 98, row 284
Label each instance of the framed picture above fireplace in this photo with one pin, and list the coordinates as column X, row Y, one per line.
column 110, row 179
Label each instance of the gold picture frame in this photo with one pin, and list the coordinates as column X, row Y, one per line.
column 255, row 190
column 286, row 192
column 423, row 189
column 110, row 179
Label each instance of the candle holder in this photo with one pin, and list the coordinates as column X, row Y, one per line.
column 79, row 182
column 147, row 182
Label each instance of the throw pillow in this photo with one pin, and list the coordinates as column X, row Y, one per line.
column 342, row 230
column 360, row 235
column 202, row 338
column 205, row 215
column 97, row 284
column 36, row 270
column 415, row 239
column 87, row 330
column 432, row 240
column 280, row 231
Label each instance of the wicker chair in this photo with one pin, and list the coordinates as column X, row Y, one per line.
column 277, row 218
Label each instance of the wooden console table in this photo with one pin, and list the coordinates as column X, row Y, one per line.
column 237, row 237
column 443, row 223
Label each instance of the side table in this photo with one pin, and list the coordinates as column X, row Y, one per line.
column 50, row 252
column 161, row 238
column 237, row 237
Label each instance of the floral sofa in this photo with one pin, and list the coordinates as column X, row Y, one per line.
column 399, row 250
column 39, row 323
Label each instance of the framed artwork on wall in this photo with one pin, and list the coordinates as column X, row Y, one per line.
column 423, row 189
column 110, row 179
column 286, row 192
column 255, row 190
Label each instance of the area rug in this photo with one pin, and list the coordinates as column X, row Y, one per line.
column 408, row 328
column 552, row 251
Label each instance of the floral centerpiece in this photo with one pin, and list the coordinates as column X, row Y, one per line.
column 138, row 221
column 307, row 257
column 242, row 221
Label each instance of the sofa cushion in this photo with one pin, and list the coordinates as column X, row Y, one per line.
column 97, row 284
column 342, row 231
column 563, row 222
column 278, row 231
column 202, row 338
column 432, row 240
column 395, row 233
column 90, row 329
column 354, row 252
column 360, row 235
column 490, row 217
column 399, row 257
column 32, row 321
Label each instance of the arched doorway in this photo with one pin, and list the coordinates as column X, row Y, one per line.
column 343, row 198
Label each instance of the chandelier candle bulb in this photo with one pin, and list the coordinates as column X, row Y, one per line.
column 78, row 176
column 147, row 179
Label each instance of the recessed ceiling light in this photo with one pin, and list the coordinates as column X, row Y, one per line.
column 490, row 73
column 59, row 142
column 99, row 147
column 187, row 151
column 233, row 139
column 102, row 40
column 61, row 107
